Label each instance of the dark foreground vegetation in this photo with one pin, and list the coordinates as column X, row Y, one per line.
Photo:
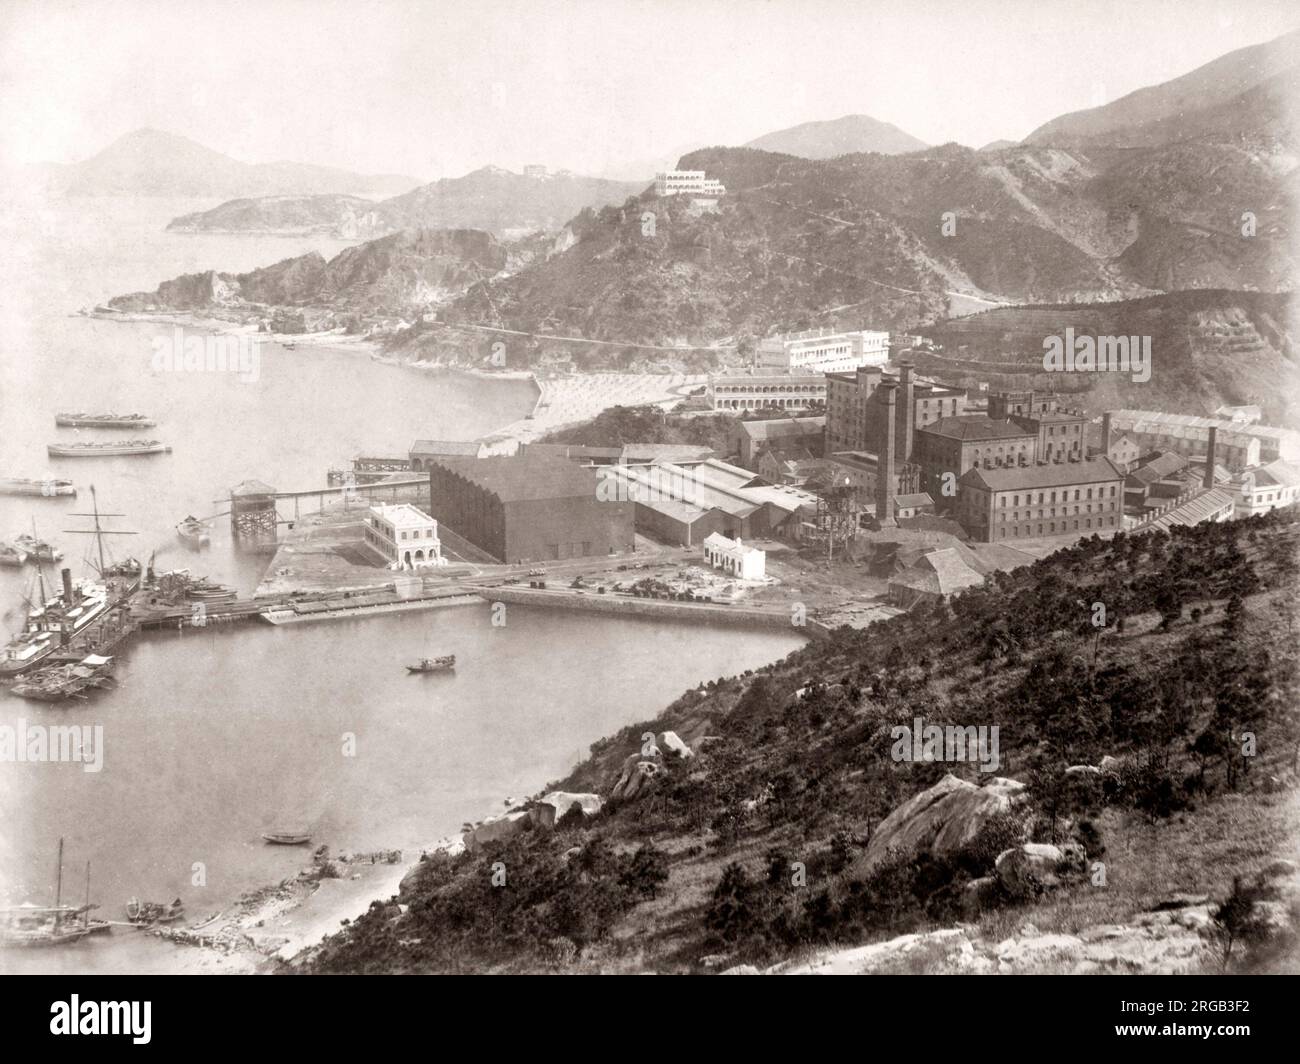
column 1174, row 654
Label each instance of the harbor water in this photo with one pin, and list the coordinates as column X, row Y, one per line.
column 214, row 736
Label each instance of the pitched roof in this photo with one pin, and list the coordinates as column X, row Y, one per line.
column 941, row 572
column 1282, row 473
column 975, row 427
column 1054, row 475
column 920, row 498
column 777, row 427
column 1199, row 508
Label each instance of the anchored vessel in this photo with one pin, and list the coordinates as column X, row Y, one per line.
column 58, row 683
column 35, row 925
column 37, row 550
column 49, row 487
column 83, row 420
column 102, row 450
column 12, row 555
column 194, row 533
column 443, row 664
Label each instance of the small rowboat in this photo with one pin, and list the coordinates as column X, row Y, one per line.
column 194, row 533
column 287, row 838
column 443, row 664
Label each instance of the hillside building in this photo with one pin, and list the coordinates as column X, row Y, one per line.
column 853, row 420
column 758, row 391
column 1265, row 488
column 1241, row 445
column 823, row 351
column 687, row 182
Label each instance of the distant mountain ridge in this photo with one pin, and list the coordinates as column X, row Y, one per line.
column 1240, row 90
column 149, row 162
column 490, row 198
column 839, row 136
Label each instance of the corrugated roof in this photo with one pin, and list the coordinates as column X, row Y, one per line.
column 1200, row 508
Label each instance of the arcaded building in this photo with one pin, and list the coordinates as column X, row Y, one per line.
column 528, row 507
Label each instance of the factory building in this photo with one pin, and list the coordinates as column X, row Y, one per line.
column 528, row 507
column 1041, row 500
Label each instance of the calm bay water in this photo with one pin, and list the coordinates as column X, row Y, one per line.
column 215, row 736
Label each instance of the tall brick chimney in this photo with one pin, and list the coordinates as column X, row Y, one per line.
column 1105, row 435
column 908, row 421
column 1210, row 457
column 886, row 394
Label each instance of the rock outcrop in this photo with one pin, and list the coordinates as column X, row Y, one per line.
column 940, row 820
column 551, row 807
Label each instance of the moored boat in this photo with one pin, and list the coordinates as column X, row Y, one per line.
column 446, row 663
column 35, row 925
column 12, row 555
column 287, row 838
column 48, row 487
column 37, row 550
column 106, row 449
column 194, row 533
column 81, row 420
column 58, row 683
column 147, row 913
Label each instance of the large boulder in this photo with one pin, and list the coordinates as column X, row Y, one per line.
column 1030, row 867
column 940, row 820
column 496, row 829
column 674, row 744
column 551, row 807
column 636, row 779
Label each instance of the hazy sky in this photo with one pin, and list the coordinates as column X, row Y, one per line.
column 438, row 88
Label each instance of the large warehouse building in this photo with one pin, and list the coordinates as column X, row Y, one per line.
column 528, row 508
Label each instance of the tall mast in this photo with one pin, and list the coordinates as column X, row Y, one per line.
column 85, row 916
column 58, row 890
column 98, row 532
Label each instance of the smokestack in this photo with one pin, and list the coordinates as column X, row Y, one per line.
column 68, row 600
column 1030, row 411
column 1105, row 435
column 887, row 394
column 1209, row 459
column 909, row 409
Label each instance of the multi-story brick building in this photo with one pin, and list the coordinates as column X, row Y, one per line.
column 948, row 448
column 853, row 420
column 1028, row 502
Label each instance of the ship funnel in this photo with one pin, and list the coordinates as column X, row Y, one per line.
column 68, row 596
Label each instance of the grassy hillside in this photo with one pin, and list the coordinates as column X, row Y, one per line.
column 793, row 764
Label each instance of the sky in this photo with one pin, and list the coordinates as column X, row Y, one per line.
column 437, row 88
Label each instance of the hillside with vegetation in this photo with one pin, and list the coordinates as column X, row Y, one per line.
column 1145, row 692
column 1209, row 348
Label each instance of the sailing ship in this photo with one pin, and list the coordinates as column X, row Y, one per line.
column 34, row 925
column 447, row 663
column 194, row 533
column 82, row 420
column 148, row 913
column 49, row 487
column 59, row 683
column 103, row 450
column 54, row 622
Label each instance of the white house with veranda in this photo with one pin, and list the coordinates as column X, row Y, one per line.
column 405, row 535
column 732, row 556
